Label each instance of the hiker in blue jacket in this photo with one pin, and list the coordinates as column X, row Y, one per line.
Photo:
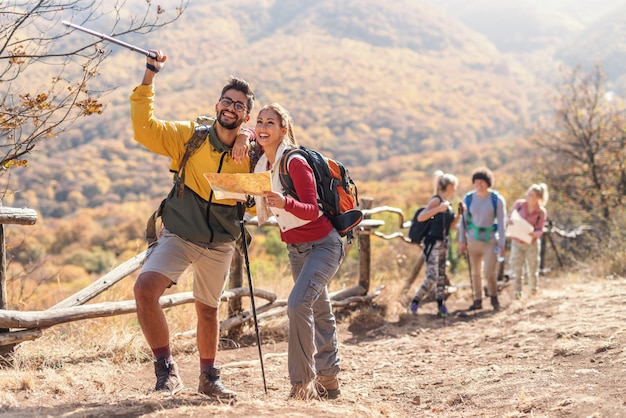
column 436, row 241
column 482, row 235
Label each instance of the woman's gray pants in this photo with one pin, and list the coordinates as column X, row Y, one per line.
column 313, row 347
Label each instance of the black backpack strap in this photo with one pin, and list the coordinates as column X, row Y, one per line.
column 283, row 171
column 287, row 182
column 191, row 146
column 151, row 232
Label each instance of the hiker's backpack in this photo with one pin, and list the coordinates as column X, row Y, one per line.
column 470, row 224
column 494, row 201
column 337, row 192
column 419, row 230
column 191, row 146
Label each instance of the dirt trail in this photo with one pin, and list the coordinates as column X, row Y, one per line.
column 558, row 354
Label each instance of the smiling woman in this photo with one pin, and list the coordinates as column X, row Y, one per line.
column 315, row 253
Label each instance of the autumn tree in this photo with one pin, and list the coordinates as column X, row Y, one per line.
column 34, row 42
column 585, row 146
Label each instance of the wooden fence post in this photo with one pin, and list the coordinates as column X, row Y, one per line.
column 10, row 216
column 3, row 270
column 235, row 281
column 542, row 253
column 364, row 248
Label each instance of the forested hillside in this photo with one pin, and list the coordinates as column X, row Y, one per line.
column 366, row 83
column 395, row 90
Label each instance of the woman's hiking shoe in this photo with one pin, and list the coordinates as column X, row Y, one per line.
column 328, row 386
column 413, row 307
column 495, row 303
column 211, row 385
column 442, row 311
column 308, row 391
column 478, row 304
column 168, row 379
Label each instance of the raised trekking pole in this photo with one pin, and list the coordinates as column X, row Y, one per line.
column 445, row 258
column 247, row 261
column 111, row 39
column 467, row 257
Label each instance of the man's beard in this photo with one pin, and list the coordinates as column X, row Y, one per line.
column 230, row 126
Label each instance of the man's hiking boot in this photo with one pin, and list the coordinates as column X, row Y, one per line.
column 328, row 386
column 442, row 311
column 478, row 304
column 308, row 391
column 495, row 303
column 413, row 307
column 211, row 385
column 168, row 379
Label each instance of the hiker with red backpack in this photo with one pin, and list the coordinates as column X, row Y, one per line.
column 482, row 235
column 442, row 219
column 315, row 252
column 199, row 232
column 525, row 253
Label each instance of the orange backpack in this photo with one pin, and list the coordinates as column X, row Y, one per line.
column 338, row 196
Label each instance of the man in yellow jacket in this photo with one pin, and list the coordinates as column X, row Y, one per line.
column 198, row 230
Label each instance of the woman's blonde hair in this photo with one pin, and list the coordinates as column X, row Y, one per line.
column 541, row 190
column 443, row 180
column 285, row 121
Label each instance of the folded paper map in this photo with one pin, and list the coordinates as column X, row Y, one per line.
column 519, row 228
column 239, row 185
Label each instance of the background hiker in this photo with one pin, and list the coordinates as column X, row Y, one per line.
column 436, row 241
column 198, row 231
column 523, row 254
column 315, row 252
column 485, row 210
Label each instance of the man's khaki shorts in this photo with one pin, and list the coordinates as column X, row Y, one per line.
column 172, row 255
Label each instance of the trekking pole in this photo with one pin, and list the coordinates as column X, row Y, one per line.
column 445, row 257
column 440, row 261
column 111, row 39
column 247, row 261
column 467, row 257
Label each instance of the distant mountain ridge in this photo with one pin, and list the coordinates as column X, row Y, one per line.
column 366, row 82
column 581, row 32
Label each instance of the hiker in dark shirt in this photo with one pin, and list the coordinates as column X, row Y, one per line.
column 198, row 230
column 436, row 241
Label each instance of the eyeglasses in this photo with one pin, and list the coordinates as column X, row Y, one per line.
column 227, row 102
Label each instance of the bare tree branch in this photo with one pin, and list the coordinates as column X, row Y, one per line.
column 34, row 109
column 587, row 142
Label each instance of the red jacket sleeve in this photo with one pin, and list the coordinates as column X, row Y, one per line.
column 304, row 182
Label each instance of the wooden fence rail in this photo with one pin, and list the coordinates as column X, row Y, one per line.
column 17, row 326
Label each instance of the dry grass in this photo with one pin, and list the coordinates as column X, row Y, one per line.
column 554, row 355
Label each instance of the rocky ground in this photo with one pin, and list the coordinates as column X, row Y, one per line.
column 557, row 354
